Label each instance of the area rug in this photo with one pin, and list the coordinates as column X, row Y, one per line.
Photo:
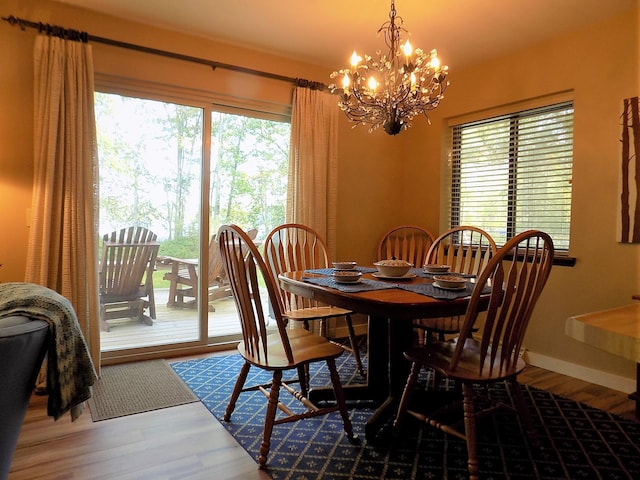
column 578, row 442
column 135, row 388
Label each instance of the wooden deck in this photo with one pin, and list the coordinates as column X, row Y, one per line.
column 172, row 325
column 178, row 325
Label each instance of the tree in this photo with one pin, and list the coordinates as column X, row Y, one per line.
column 151, row 161
column 182, row 128
column 249, row 173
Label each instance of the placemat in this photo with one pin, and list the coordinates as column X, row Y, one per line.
column 440, row 293
column 330, row 270
column 421, row 273
column 363, row 285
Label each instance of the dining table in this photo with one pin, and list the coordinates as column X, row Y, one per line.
column 391, row 305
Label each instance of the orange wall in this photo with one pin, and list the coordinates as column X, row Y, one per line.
column 382, row 180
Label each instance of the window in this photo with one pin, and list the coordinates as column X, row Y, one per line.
column 512, row 173
column 151, row 157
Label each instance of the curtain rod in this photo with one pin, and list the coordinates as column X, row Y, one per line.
column 74, row 34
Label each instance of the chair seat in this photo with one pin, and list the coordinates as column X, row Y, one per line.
column 126, row 297
column 445, row 325
column 316, row 313
column 306, row 347
column 437, row 355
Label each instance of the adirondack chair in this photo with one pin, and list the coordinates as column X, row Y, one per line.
column 126, row 275
column 183, row 275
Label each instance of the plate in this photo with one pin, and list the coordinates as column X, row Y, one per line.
column 459, row 287
column 406, row 276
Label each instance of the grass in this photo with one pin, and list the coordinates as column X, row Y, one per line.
column 158, row 281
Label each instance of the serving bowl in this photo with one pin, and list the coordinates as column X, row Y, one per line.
column 449, row 281
column 344, row 265
column 433, row 268
column 393, row 268
column 346, row 276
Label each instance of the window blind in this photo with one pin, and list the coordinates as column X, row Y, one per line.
column 513, row 173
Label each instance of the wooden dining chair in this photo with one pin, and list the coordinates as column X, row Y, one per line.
column 410, row 243
column 405, row 242
column 295, row 247
column 466, row 250
column 278, row 350
column 517, row 274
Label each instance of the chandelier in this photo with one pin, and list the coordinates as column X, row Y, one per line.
column 392, row 89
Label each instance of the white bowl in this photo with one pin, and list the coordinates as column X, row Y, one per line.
column 346, row 276
column 344, row 265
column 432, row 268
column 393, row 268
column 449, row 281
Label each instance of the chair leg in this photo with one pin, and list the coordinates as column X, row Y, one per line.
column 324, row 329
column 303, row 377
column 270, row 417
column 152, row 302
column 470, row 431
column 340, row 398
column 354, row 345
column 412, row 380
column 173, row 285
column 523, row 412
column 242, row 377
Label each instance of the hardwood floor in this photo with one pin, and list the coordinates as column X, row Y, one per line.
column 612, row 401
column 183, row 442
column 187, row 442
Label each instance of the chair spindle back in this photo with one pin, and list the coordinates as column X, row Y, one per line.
column 243, row 263
column 294, row 247
column 465, row 249
column 406, row 242
column 521, row 268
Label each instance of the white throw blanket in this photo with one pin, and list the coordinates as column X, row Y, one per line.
column 70, row 371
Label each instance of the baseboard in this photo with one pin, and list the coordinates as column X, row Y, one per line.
column 591, row 375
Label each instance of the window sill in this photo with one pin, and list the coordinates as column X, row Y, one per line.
column 560, row 260
column 564, row 261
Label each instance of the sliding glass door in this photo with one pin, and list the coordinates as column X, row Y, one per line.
column 181, row 171
column 248, row 187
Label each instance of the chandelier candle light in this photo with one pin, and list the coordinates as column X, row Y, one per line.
column 390, row 90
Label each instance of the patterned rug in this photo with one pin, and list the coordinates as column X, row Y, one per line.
column 578, row 442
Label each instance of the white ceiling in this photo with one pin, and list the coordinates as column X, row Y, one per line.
column 325, row 32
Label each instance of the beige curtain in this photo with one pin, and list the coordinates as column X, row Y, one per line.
column 63, row 229
column 313, row 160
